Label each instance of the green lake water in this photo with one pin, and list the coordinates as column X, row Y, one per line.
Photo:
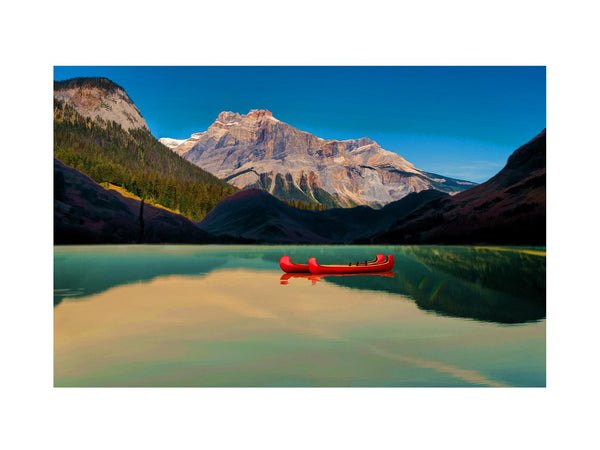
column 209, row 316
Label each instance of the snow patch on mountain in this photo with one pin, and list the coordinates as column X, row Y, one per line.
column 171, row 143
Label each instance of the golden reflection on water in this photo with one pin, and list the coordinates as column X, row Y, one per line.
column 243, row 328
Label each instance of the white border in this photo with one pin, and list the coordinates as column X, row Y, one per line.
column 39, row 35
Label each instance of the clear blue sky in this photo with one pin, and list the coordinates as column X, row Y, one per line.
column 462, row 122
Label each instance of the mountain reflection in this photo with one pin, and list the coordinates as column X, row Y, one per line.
column 497, row 285
column 84, row 271
column 500, row 285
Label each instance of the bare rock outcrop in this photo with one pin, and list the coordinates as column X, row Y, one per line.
column 256, row 150
column 100, row 98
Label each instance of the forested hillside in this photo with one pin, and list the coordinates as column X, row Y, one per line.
column 136, row 161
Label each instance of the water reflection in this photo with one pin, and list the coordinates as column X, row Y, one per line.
column 284, row 279
column 238, row 327
column 520, row 273
column 488, row 284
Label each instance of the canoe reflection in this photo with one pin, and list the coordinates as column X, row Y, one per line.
column 314, row 278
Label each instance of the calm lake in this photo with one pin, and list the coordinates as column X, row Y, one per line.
column 228, row 316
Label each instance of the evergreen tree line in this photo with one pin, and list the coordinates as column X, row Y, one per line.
column 306, row 205
column 99, row 82
column 136, row 161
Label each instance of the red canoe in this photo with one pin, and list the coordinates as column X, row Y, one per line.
column 382, row 266
column 289, row 267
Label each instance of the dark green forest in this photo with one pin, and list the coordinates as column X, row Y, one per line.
column 136, row 161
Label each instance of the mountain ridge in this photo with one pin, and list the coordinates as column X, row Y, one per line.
column 256, row 150
column 509, row 208
column 254, row 214
column 130, row 158
column 100, row 98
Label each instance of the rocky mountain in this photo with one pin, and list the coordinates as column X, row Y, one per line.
column 100, row 98
column 99, row 131
column 256, row 150
column 256, row 215
column 510, row 208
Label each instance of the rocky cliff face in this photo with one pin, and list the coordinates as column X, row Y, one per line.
column 256, row 150
column 100, row 98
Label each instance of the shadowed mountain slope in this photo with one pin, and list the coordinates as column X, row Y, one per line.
column 257, row 215
column 510, row 208
column 86, row 213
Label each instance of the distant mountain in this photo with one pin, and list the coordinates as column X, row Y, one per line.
column 510, row 208
column 86, row 213
column 171, row 143
column 99, row 131
column 257, row 215
column 256, row 150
